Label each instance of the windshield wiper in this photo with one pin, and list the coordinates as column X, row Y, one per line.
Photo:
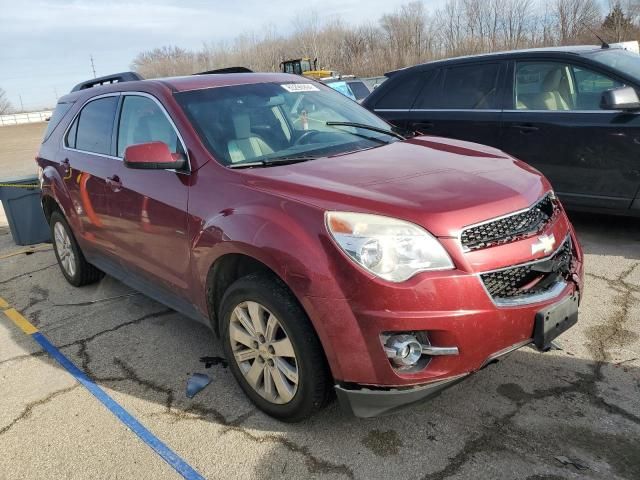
column 365, row 127
column 268, row 162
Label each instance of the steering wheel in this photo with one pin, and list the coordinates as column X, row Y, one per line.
column 306, row 135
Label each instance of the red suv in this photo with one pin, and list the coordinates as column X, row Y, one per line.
column 326, row 251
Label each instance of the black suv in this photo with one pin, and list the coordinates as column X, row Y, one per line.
column 571, row 112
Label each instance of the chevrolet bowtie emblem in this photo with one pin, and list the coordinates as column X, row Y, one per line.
column 544, row 244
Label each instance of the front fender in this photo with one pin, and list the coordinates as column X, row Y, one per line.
column 287, row 237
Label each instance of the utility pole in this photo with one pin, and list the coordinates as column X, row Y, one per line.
column 21, row 104
column 93, row 67
column 55, row 92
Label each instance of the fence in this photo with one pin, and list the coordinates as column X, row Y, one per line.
column 20, row 118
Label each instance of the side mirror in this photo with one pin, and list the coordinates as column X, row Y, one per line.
column 152, row 156
column 623, row 98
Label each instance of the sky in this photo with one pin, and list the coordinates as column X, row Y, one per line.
column 46, row 45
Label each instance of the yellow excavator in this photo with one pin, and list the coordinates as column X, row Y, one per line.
column 302, row 66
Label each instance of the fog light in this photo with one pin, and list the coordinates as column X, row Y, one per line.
column 403, row 350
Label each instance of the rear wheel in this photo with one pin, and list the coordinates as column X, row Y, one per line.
column 272, row 349
column 75, row 268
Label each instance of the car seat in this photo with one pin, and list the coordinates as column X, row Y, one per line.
column 550, row 97
column 246, row 145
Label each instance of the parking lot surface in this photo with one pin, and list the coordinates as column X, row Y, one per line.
column 570, row 413
column 520, row 418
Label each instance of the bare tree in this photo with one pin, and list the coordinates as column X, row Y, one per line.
column 165, row 61
column 411, row 34
column 621, row 23
column 5, row 104
column 575, row 19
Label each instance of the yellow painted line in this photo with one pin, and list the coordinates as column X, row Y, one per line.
column 3, row 303
column 20, row 321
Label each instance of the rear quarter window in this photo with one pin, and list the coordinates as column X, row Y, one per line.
column 58, row 114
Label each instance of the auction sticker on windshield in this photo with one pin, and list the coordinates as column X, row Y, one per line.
column 300, row 87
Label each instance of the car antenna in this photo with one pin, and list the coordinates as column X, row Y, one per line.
column 603, row 43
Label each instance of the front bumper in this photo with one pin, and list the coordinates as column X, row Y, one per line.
column 453, row 307
column 367, row 402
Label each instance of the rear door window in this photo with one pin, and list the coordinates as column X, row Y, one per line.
column 402, row 92
column 95, row 125
column 429, row 96
column 472, row 87
column 142, row 121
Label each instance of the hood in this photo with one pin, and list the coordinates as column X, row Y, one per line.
column 440, row 184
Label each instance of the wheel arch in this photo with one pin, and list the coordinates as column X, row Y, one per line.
column 55, row 195
column 227, row 269
column 50, row 205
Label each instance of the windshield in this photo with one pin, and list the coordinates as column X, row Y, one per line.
column 622, row 60
column 269, row 121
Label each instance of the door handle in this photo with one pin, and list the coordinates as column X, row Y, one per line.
column 419, row 126
column 114, row 183
column 525, row 128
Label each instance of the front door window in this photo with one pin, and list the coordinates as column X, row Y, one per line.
column 559, row 86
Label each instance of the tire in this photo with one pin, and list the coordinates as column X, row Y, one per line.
column 274, row 392
column 71, row 261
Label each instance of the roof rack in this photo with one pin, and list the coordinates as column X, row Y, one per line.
column 107, row 80
column 226, row 70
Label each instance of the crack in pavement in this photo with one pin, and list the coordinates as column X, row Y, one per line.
column 90, row 338
column 313, row 463
column 24, row 356
column 118, row 327
column 93, row 302
column 492, row 439
column 28, row 410
column 11, row 279
column 199, row 411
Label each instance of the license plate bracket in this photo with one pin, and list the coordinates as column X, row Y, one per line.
column 554, row 320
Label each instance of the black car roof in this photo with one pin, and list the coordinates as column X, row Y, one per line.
column 560, row 51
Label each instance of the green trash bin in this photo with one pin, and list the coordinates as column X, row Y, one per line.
column 21, row 202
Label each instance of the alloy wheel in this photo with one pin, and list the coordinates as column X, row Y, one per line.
column 64, row 249
column 263, row 352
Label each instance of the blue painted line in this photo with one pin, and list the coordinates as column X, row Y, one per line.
column 182, row 467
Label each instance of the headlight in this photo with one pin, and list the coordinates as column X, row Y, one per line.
column 390, row 248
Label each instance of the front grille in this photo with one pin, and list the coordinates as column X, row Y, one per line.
column 513, row 227
column 530, row 278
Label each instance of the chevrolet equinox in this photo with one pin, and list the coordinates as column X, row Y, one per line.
column 326, row 251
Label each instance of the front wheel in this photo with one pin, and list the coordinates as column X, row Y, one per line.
column 74, row 267
column 273, row 351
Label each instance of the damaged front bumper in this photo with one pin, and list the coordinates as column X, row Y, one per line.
column 366, row 402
